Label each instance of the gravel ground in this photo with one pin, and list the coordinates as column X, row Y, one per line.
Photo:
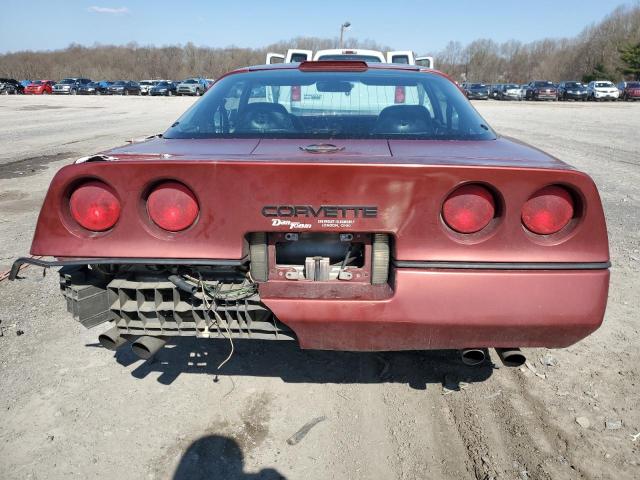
column 69, row 409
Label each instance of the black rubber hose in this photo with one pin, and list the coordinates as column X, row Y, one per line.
column 182, row 284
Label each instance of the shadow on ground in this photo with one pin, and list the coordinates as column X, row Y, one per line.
column 217, row 457
column 263, row 358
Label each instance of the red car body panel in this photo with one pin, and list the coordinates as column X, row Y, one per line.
column 631, row 93
column 46, row 87
column 501, row 287
column 442, row 308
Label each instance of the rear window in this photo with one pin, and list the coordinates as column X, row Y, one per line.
column 298, row 57
column 324, row 105
column 404, row 59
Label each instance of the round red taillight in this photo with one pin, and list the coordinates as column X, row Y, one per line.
column 469, row 209
column 548, row 211
column 95, row 206
column 172, row 206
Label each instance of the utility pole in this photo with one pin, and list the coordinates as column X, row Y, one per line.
column 343, row 27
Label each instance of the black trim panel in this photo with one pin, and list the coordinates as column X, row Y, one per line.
column 120, row 261
column 504, row 265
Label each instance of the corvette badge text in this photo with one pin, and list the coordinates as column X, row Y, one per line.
column 328, row 216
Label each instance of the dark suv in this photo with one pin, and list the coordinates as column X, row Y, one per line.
column 572, row 91
column 69, row 86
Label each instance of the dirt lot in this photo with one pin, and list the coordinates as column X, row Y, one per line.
column 69, row 409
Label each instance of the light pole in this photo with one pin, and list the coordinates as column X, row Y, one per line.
column 343, row 27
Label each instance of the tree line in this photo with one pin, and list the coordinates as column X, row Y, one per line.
column 609, row 49
column 606, row 50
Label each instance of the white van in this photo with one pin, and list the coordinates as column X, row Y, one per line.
column 401, row 56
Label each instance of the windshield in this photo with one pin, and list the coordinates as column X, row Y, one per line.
column 574, row 85
column 68, row 81
column 633, row 85
column 354, row 57
column 477, row 85
column 37, row 82
column 510, row 86
column 162, row 84
column 352, row 105
column 146, row 83
column 119, row 83
column 604, row 84
column 191, row 80
column 543, row 84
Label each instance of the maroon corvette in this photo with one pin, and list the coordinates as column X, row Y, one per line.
column 344, row 205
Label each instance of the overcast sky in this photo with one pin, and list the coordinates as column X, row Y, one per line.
column 422, row 26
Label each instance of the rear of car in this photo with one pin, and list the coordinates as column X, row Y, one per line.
column 363, row 225
column 630, row 91
column 542, row 90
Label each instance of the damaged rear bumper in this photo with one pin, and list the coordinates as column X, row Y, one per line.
column 425, row 305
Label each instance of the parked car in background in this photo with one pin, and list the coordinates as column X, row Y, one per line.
column 572, row 90
column 39, row 87
column 147, row 85
column 94, row 88
column 9, row 86
column 25, row 83
column 598, row 90
column 164, row 88
column 509, row 91
column 192, row 86
column 494, row 91
column 629, row 91
column 124, row 87
column 69, row 86
column 542, row 90
column 477, row 91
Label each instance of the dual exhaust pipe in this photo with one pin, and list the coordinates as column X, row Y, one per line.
column 510, row 357
column 143, row 347
column 146, row 347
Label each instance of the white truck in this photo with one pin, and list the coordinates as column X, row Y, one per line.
column 294, row 55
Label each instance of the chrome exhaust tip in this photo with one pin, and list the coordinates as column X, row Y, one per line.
column 473, row 356
column 511, row 357
column 147, row 347
column 111, row 339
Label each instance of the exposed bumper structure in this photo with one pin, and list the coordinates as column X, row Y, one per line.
column 436, row 305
